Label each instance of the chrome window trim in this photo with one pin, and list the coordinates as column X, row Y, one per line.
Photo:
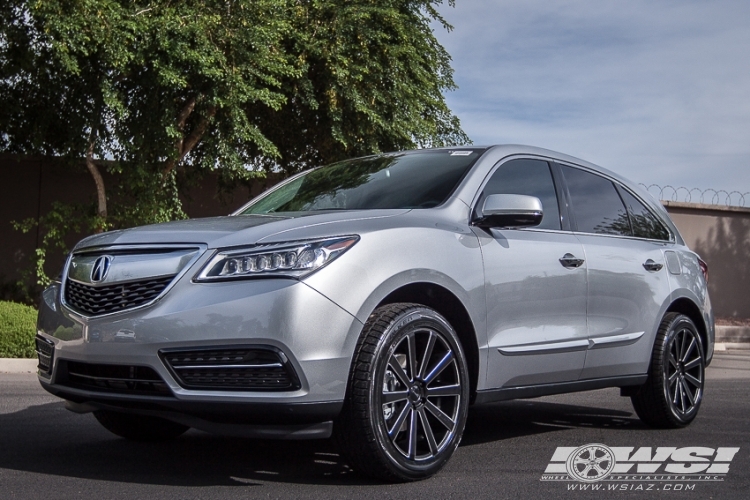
column 200, row 251
column 626, row 237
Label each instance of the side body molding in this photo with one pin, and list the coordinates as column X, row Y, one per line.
column 572, row 345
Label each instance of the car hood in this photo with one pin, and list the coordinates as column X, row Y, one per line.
column 232, row 230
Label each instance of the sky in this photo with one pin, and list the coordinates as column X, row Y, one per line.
column 658, row 91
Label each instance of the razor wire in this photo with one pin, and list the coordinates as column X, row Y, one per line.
column 705, row 196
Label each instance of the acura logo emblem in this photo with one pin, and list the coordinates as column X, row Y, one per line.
column 101, row 268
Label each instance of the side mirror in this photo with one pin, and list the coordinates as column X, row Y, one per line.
column 510, row 210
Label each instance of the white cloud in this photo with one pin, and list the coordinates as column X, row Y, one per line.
column 658, row 91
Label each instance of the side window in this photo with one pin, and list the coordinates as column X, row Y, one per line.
column 645, row 223
column 531, row 178
column 596, row 205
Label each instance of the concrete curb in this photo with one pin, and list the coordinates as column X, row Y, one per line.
column 17, row 365
column 733, row 334
column 731, row 346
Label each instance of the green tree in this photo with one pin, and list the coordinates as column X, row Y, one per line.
column 165, row 91
column 372, row 79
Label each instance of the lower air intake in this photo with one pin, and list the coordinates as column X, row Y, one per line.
column 232, row 369
column 45, row 351
column 120, row 379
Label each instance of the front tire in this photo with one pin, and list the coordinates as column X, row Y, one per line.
column 673, row 392
column 407, row 397
column 139, row 427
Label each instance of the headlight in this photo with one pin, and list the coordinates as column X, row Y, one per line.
column 293, row 259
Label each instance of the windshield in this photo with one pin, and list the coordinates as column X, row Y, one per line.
column 421, row 179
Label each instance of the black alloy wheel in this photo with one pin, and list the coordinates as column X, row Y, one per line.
column 673, row 392
column 408, row 395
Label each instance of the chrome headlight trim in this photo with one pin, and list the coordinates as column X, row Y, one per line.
column 292, row 259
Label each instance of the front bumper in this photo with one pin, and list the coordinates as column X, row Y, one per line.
column 315, row 335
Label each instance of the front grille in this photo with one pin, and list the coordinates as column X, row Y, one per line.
column 249, row 369
column 120, row 379
column 97, row 300
column 45, row 351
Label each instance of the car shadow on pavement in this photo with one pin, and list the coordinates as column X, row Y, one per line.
column 509, row 419
column 47, row 439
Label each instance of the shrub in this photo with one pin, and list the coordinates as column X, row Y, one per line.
column 17, row 330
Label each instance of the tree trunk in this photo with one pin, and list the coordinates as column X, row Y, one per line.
column 185, row 144
column 101, row 195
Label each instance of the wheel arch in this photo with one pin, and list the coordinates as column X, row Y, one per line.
column 453, row 310
column 684, row 305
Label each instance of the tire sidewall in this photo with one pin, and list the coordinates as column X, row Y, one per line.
column 676, row 325
column 401, row 326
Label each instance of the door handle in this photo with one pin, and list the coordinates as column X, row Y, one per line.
column 652, row 266
column 571, row 261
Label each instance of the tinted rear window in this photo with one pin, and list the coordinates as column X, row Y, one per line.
column 596, row 205
column 645, row 224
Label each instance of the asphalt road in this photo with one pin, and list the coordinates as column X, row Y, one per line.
column 47, row 452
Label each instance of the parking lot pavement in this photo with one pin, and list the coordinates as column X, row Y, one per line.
column 48, row 452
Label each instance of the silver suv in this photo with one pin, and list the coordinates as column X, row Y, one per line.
column 376, row 299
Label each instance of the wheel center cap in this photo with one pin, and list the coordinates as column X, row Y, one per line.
column 415, row 394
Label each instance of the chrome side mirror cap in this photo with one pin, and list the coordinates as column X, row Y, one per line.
column 510, row 210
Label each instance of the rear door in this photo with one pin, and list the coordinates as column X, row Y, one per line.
column 627, row 278
column 536, row 302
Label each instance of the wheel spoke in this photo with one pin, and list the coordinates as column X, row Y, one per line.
column 428, row 431
column 413, row 435
column 393, row 431
column 411, row 356
column 688, row 350
column 398, row 371
column 444, row 390
column 691, row 398
column 681, row 351
column 427, row 355
column 673, row 377
column 394, row 397
column 681, row 387
column 440, row 415
column 692, row 364
column 441, row 365
column 693, row 380
column 676, row 392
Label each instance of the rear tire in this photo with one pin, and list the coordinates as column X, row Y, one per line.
column 407, row 397
column 673, row 392
column 139, row 427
